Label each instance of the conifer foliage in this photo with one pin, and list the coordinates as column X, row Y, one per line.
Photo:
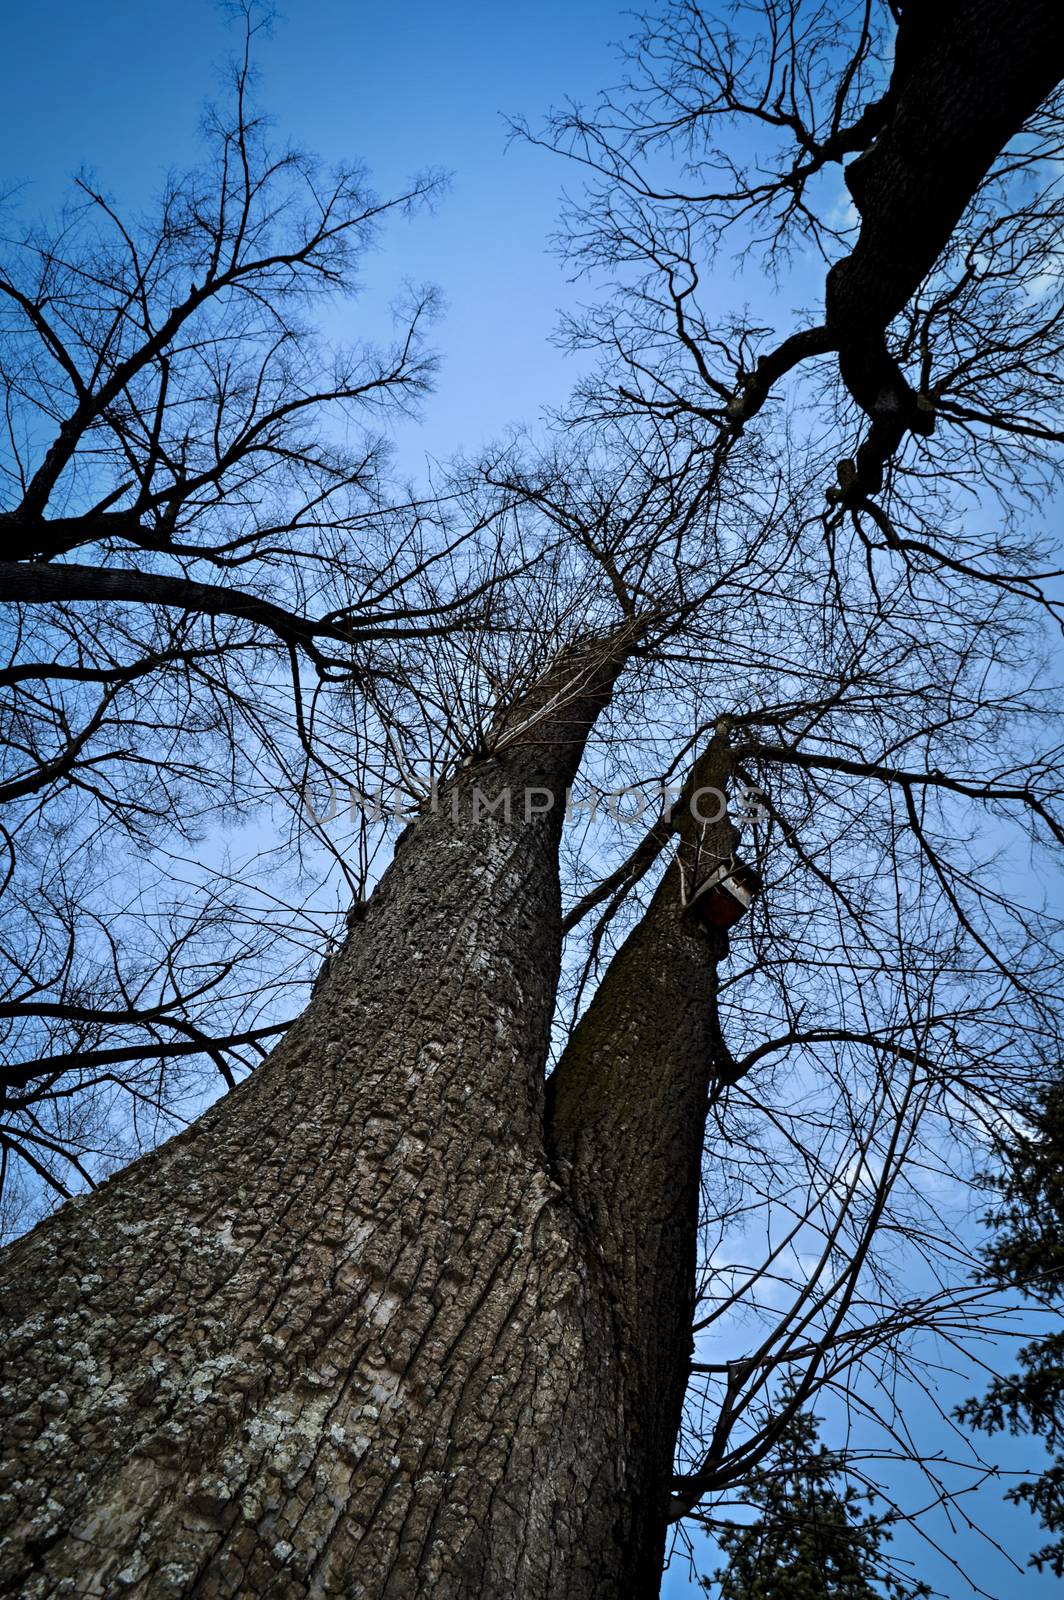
column 813, row 1539
column 1028, row 1253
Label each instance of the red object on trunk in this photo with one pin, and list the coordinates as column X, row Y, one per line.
column 726, row 895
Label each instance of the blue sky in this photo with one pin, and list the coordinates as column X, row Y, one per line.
column 117, row 85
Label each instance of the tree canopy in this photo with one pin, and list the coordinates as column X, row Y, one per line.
column 539, row 1207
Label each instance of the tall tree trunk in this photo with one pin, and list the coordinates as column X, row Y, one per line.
column 346, row 1335
column 628, row 1108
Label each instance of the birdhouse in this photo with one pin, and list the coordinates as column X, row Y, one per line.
column 725, row 895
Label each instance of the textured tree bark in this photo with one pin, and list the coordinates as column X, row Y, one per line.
column 627, row 1118
column 346, row 1334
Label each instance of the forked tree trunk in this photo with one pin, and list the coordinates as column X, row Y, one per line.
column 366, row 1328
column 346, row 1334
